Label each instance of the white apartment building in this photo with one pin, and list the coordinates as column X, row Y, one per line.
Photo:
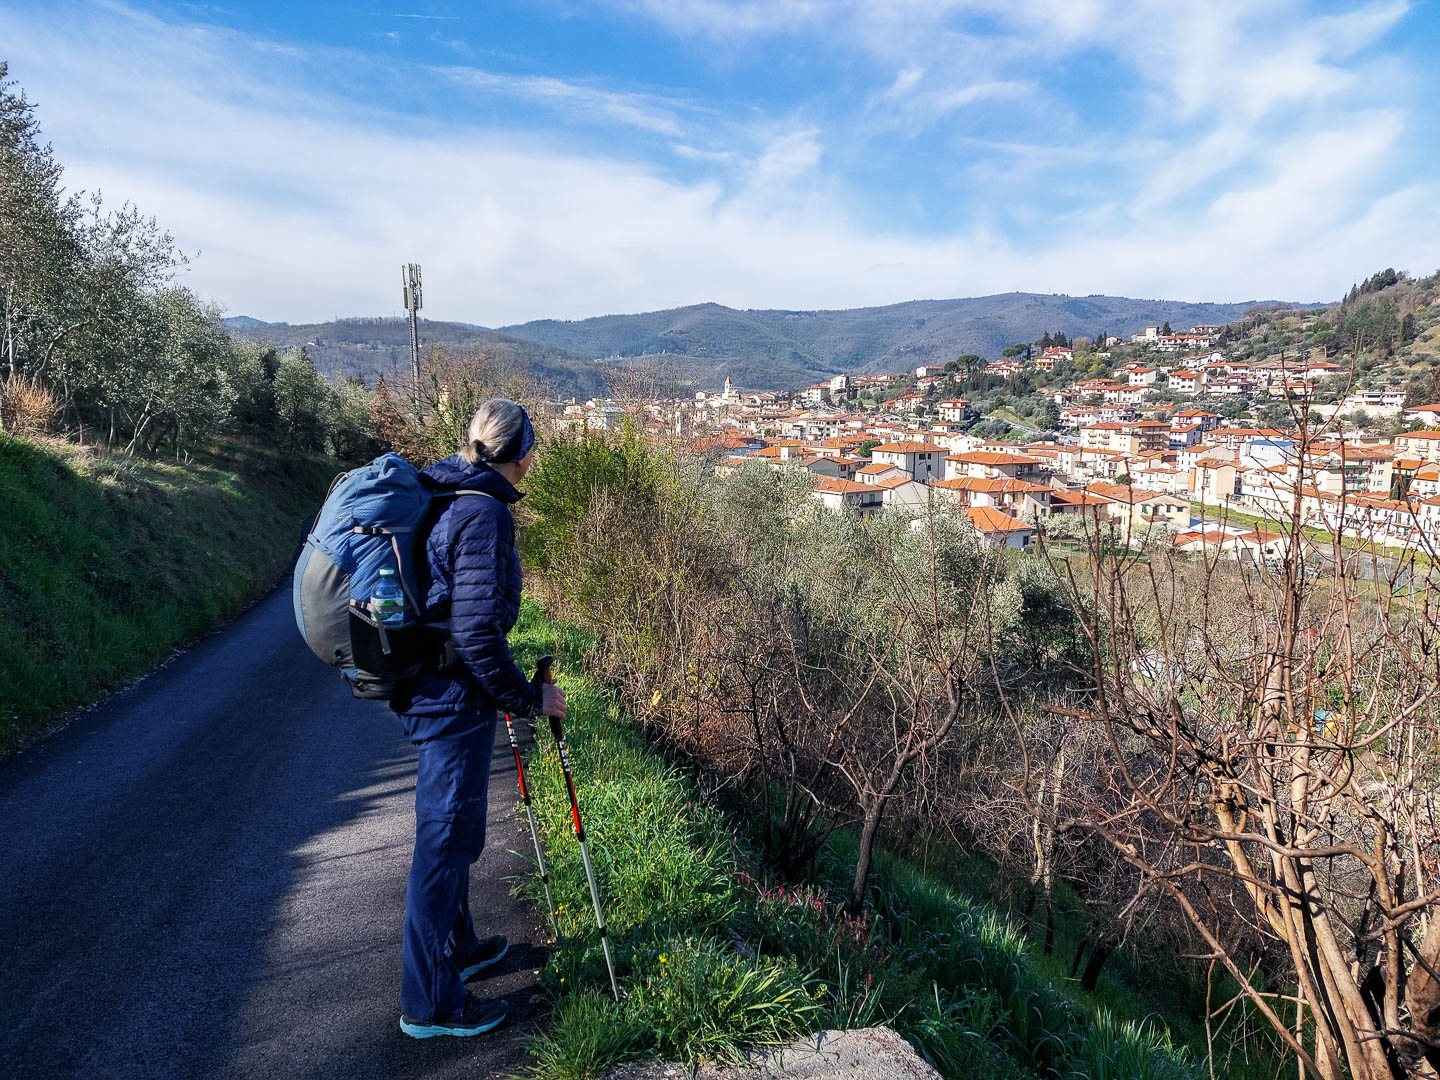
column 920, row 461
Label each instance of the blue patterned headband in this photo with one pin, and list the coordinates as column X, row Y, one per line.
column 519, row 444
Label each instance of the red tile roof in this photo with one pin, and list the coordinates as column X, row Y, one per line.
column 989, row 484
column 1125, row 493
column 987, row 519
column 908, row 448
column 991, row 457
column 835, row 486
column 1076, row 498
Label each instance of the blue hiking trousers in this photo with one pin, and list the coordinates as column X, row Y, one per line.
column 451, row 795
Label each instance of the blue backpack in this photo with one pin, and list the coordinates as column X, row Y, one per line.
column 374, row 517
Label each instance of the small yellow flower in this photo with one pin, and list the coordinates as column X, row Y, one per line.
column 662, row 958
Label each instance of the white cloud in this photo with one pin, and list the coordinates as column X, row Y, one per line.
column 788, row 157
column 304, row 205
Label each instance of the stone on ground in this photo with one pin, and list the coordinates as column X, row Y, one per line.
column 863, row 1054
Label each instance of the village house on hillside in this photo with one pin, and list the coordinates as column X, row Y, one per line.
column 1125, row 458
column 999, row 530
column 918, row 460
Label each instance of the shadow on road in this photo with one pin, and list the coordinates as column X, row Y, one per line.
column 206, row 876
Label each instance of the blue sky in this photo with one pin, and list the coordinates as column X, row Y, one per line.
column 563, row 159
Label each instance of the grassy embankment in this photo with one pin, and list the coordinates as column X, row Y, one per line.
column 712, row 955
column 1014, row 419
column 108, row 564
column 1322, row 538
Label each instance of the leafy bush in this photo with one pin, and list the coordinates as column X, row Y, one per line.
column 92, row 315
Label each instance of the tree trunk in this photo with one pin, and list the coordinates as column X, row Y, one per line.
column 1103, row 948
column 1043, row 835
column 10, row 328
column 1079, row 955
column 868, row 832
column 1422, row 993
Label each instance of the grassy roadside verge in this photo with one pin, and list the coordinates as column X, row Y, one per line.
column 109, row 564
column 711, row 955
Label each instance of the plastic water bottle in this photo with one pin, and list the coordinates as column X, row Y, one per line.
column 387, row 602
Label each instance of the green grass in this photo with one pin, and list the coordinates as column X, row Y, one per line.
column 1140, row 980
column 713, row 956
column 109, row 564
column 1014, row 419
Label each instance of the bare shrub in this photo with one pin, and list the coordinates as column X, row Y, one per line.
column 427, row 422
column 837, row 670
column 1264, row 759
column 27, row 406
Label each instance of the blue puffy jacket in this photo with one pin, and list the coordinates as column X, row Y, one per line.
column 471, row 578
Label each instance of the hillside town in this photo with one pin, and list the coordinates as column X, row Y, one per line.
column 1137, row 451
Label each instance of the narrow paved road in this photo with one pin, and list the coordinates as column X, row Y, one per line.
column 206, row 877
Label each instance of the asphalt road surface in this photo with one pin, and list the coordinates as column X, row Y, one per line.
column 206, row 877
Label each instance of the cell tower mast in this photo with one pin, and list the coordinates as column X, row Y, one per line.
column 411, row 280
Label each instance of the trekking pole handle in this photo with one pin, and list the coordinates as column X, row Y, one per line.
column 543, row 674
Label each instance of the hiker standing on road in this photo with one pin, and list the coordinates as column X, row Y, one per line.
column 470, row 579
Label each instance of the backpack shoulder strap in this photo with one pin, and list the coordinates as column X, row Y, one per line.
column 434, row 516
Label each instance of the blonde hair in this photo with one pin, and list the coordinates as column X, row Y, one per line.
column 493, row 425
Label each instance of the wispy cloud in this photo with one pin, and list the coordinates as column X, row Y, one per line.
column 459, row 45
column 731, row 18
column 915, row 102
column 642, row 111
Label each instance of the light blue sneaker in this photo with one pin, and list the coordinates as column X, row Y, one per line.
column 480, row 1015
column 490, row 951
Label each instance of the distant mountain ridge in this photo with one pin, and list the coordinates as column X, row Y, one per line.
column 757, row 348
column 779, row 348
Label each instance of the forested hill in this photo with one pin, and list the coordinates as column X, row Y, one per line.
column 373, row 347
column 774, row 349
column 758, row 349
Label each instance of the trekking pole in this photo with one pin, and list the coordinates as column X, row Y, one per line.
column 542, row 675
column 557, row 728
